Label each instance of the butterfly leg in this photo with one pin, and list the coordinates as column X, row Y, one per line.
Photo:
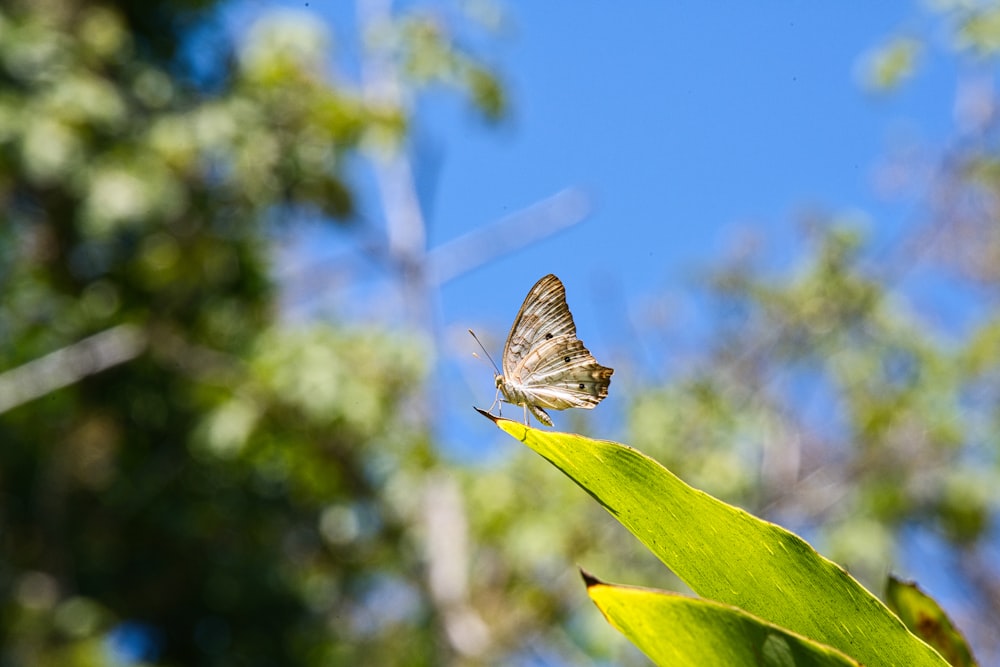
column 526, row 415
column 498, row 403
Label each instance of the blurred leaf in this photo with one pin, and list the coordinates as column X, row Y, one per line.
column 236, row 490
column 979, row 30
column 892, row 63
column 427, row 54
column 926, row 619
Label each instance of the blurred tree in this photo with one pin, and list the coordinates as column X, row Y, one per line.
column 837, row 398
column 183, row 480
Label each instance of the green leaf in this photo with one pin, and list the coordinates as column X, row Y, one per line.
column 980, row 31
column 892, row 63
column 926, row 619
column 725, row 554
column 676, row 630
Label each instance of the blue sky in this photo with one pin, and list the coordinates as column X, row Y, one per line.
column 686, row 126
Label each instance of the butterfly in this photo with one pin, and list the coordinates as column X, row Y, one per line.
column 544, row 364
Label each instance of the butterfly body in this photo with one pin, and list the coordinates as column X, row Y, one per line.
column 544, row 364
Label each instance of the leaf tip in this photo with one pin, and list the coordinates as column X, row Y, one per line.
column 485, row 414
column 589, row 580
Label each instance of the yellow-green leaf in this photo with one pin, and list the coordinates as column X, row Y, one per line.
column 892, row 63
column 676, row 630
column 725, row 554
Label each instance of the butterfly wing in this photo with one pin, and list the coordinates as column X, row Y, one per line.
column 544, row 364
column 544, row 315
column 561, row 373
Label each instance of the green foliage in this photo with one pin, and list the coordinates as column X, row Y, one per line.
column 676, row 630
column 426, row 55
column 239, row 491
column 227, row 489
column 827, row 373
column 729, row 556
column 971, row 28
column 893, row 63
column 926, row 619
column 979, row 29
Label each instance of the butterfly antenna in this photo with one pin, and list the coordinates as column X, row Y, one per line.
column 484, row 352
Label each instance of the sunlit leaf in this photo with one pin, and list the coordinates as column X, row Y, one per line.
column 725, row 554
column 676, row 630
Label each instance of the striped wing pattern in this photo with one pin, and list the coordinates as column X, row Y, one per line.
column 544, row 364
column 543, row 316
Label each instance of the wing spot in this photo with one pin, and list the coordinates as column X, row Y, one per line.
column 566, row 359
column 582, row 386
column 548, row 336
